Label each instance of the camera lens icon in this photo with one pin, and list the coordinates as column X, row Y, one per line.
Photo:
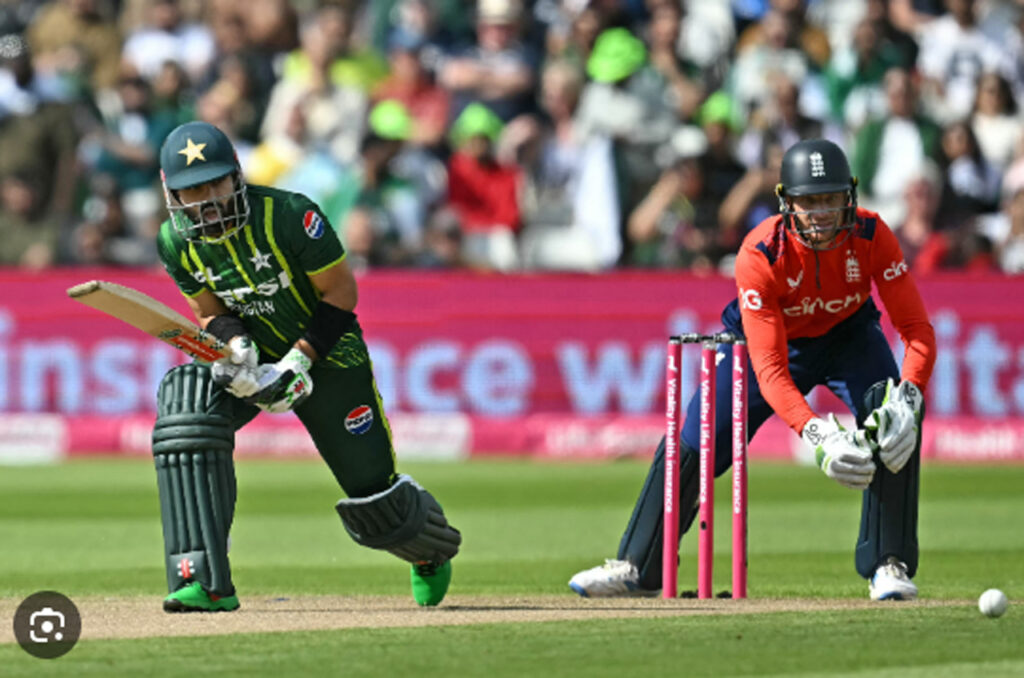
column 47, row 624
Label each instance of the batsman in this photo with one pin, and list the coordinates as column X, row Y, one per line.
column 804, row 304
column 264, row 271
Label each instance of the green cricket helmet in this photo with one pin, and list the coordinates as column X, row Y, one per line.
column 816, row 167
column 198, row 153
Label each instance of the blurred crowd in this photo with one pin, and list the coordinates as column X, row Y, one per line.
column 578, row 135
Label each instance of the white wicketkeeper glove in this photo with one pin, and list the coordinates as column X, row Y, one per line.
column 844, row 456
column 237, row 372
column 895, row 423
column 285, row 384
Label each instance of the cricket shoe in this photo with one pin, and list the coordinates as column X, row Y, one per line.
column 194, row 598
column 614, row 579
column 891, row 582
column 430, row 582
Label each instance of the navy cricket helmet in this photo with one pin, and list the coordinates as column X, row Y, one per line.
column 815, row 167
column 194, row 154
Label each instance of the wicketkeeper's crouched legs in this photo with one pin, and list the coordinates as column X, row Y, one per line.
column 888, row 523
column 642, row 541
column 193, row 441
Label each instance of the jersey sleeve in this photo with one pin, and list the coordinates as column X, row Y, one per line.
column 764, row 327
column 903, row 302
column 174, row 254
column 309, row 235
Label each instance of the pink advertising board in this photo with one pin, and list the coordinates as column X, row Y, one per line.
column 550, row 364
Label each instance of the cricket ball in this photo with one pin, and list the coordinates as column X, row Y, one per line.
column 993, row 603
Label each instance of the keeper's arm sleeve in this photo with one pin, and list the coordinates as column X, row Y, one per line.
column 765, row 329
column 906, row 309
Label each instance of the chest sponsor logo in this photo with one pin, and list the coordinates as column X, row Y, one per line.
column 808, row 306
column 359, row 420
column 314, row 224
column 894, row 271
column 751, row 299
column 852, row 268
column 251, row 301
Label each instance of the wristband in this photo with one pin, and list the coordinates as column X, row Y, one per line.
column 226, row 327
column 326, row 326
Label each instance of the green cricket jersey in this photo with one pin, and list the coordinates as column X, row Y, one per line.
column 262, row 271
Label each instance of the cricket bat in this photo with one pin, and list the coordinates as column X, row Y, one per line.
column 149, row 315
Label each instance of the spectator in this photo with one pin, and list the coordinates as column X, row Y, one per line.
column 675, row 225
column 625, row 101
column 721, row 168
column 569, row 199
column 924, row 245
column 808, row 38
column 972, row 183
column 413, row 85
column 484, row 192
column 1007, row 229
column 38, row 134
column 28, row 237
column 167, row 36
column 995, row 121
column 104, row 237
column 334, row 112
column 684, row 80
column 888, row 151
column 443, row 242
column 73, row 30
column 954, row 53
column 348, row 64
column 499, row 71
column 854, row 75
column 780, row 116
column 753, row 199
column 172, row 94
column 773, row 52
column 576, row 44
column 370, row 192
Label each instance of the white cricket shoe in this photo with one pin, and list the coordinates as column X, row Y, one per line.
column 891, row 582
column 614, row 579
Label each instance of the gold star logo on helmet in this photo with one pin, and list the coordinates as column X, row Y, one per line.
column 193, row 151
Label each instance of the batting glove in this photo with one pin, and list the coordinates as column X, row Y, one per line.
column 237, row 371
column 844, row 456
column 285, row 384
column 895, row 423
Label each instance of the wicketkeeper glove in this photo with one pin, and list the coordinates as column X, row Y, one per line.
column 895, row 423
column 285, row 384
column 237, row 372
column 844, row 456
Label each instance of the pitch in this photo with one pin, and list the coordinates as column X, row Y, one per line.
column 313, row 602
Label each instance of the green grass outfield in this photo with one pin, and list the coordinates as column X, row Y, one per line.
column 91, row 528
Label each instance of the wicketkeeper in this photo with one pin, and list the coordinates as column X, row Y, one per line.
column 264, row 271
column 804, row 305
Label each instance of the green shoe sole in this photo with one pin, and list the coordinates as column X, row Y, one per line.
column 430, row 583
column 193, row 598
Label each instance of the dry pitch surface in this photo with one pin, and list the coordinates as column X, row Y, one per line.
column 111, row 617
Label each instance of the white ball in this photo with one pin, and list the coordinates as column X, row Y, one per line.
column 993, row 603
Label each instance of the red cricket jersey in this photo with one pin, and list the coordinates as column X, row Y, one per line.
column 787, row 291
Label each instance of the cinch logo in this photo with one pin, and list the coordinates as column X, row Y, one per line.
column 751, row 299
column 808, row 306
column 313, row 223
column 897, row 269
column 359, row 420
